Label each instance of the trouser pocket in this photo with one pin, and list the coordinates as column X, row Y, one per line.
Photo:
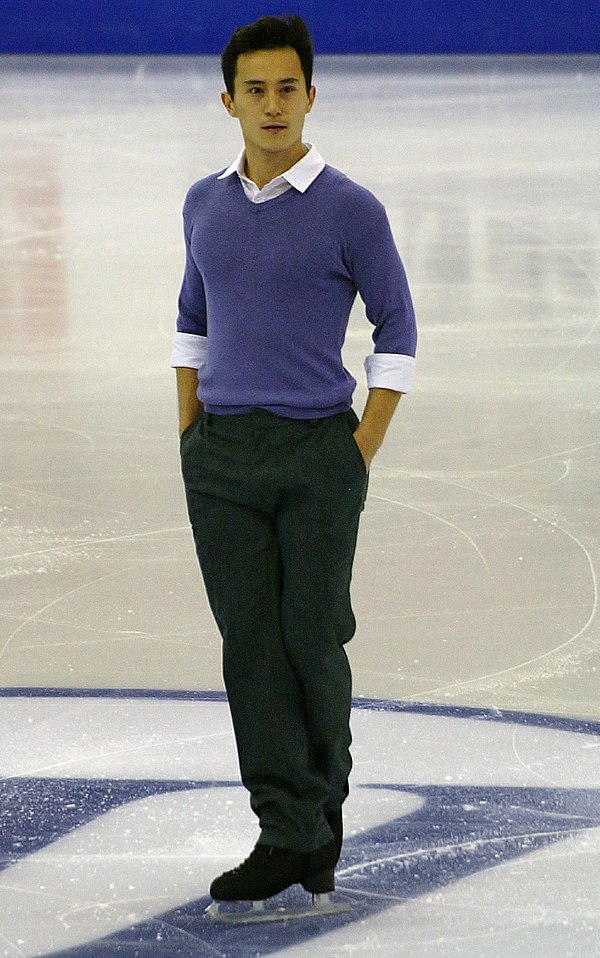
column 351, row 422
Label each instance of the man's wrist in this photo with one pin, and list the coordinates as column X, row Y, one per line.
column 189, row 418
column 367, row 443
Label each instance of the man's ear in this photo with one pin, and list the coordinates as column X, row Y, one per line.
column 227, row 101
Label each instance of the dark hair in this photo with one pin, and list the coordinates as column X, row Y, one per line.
column 269, row 33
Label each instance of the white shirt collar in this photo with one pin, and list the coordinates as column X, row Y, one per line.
column 300, row 176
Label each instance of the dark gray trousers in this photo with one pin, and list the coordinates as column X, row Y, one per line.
column 274, row 505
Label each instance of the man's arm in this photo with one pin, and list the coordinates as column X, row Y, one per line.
column 190, row 407
column 377, row 415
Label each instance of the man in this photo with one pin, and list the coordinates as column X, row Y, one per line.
column 275, row 462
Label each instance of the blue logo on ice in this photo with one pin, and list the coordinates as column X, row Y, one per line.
column 407, row 837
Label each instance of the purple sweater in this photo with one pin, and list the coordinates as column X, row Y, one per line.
column 271, row 286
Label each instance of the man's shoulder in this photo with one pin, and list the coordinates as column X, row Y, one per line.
column 348, row 198
column 348, row 192
column 208, row 188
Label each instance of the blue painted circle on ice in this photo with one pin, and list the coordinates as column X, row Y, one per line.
column 119, row 806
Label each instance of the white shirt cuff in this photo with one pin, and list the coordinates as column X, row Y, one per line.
column 390, row 371
column 189, row 350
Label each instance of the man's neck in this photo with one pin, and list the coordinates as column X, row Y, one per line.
column 261, row 167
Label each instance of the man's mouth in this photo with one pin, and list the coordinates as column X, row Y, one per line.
column 274, row 126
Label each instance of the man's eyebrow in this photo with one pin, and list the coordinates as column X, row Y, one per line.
column 285, row 80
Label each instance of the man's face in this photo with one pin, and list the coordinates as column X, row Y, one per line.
column 270, row 99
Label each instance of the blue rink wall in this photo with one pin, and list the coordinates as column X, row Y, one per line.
column 339, row 26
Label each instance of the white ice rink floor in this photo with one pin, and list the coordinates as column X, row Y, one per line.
column 473, row 826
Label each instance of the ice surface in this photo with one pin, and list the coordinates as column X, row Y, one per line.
column 476, row 580
column 459, row 831
column 476, row 575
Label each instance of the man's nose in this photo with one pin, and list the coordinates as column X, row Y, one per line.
column 273, row 103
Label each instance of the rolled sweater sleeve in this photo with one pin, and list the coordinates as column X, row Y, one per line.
column 381, row 281
column 190, row 343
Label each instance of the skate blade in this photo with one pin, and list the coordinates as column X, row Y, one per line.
column 244, row 913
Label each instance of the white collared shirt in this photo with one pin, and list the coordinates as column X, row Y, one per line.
column 300, row 176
